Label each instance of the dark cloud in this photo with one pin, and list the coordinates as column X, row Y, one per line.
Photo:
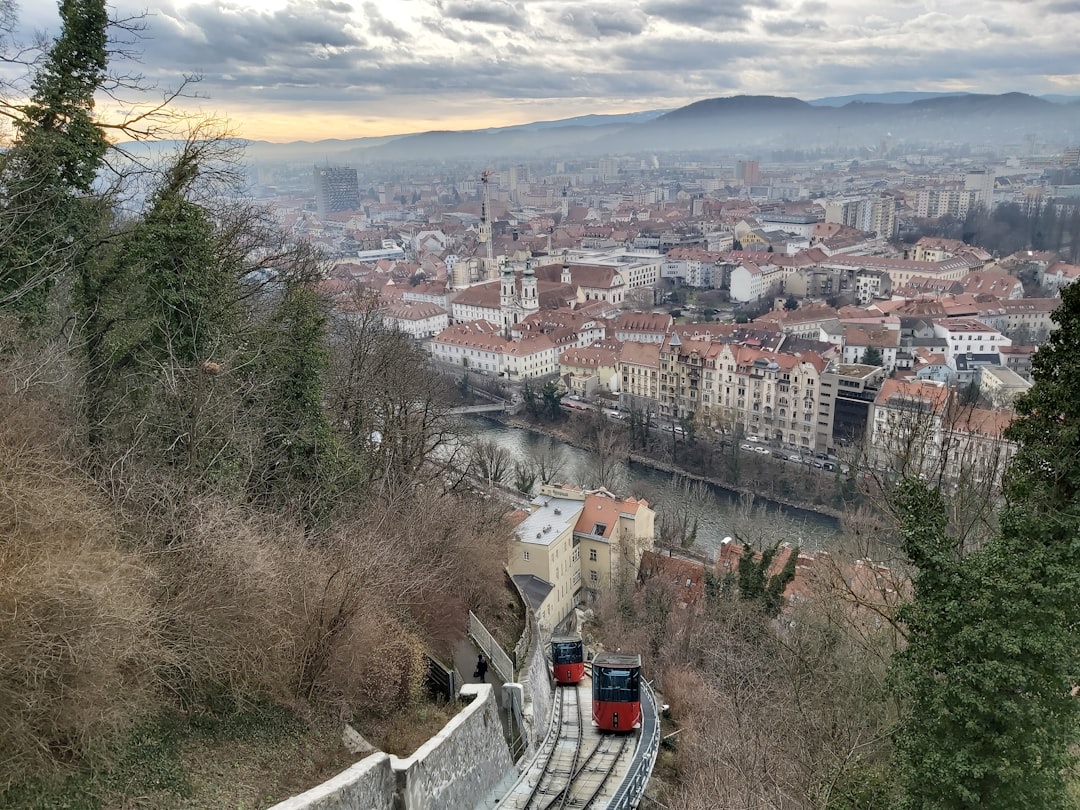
column 604, row 21
column 362, row 56
column 706, row 13
column 676, row 55
column 792, row 27
column 378, row 24
column 1063, row 7
column 493, row 12
column 454, row 33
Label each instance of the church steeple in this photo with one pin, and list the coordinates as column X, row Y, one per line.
column 530, row 299
column 506, row 294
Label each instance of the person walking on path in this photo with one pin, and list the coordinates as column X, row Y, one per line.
column 481, row 668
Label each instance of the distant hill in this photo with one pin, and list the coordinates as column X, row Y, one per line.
column 735, row 123
column 897, row 97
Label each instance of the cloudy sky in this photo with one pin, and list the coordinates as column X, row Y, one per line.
column 311, row 69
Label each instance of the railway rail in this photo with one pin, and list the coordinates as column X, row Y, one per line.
column 576, row 767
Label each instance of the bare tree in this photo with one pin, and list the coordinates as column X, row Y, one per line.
column 548, row 459
column 491, row 461
column 681, row 506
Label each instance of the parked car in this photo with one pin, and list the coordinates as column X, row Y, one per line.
column 763, row 450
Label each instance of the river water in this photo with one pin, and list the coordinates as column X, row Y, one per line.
column 719, row 512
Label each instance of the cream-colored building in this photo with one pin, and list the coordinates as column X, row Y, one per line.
column 574, row 544
column 639, row 370
column 773, row 394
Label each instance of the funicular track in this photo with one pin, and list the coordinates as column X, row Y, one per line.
column 573, row 769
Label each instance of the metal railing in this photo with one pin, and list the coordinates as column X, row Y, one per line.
column 637, row 776
column 497, row 658
column 440, row 678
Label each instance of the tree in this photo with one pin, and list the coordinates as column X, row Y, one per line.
column 791, row 302
column 298, row 457
column 992, row 651
column 547, row 459
column 47, row 175
column 161, row 314
column 491, row 461
column 755, row 583
column 872, row 356
column 551, row 397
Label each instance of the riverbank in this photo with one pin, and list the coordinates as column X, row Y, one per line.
column 561, row 434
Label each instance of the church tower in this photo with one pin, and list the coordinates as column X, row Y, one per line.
column 530, row 299
column 507, row 302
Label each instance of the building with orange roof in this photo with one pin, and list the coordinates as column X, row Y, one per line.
column 996, row 283
column 416, row 319
column 747, row 389
column 644, row 327
column 907, row 426
column 587, row 371
column 684, row 578
column 1059, row 275
column 639, row 375
column 578, row 543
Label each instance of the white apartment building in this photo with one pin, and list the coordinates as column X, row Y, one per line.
column 969, row 337
column 419, row 320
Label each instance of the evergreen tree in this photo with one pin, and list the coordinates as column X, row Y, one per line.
column 756, row 584
column 872, row 356
column 298, row 457
column 161, row 317
column 46, row 177
column 992, row 650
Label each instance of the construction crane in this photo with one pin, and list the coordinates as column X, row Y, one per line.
column 485, row 213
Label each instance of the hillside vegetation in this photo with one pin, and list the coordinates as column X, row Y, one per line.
column 221, row 517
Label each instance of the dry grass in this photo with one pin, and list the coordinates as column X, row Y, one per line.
column 77, row 640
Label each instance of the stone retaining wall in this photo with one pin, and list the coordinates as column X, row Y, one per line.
column 468, row 758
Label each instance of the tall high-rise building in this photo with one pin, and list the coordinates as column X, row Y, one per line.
column 337, row 188
column 749, row 171
column 608, row 170
column 981, row 181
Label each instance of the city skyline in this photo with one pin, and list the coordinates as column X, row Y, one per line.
column 283, row 70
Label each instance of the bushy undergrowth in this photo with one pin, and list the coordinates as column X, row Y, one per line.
column 107, row 619
column 79, row 628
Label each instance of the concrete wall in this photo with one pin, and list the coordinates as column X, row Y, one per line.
column 536, row 678
column 464, row 761
column 467, row 759
column 369, row 784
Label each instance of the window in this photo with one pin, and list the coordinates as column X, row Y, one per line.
column 599, row 528
column 525, row 556
column 592, row 554
column 594, row 577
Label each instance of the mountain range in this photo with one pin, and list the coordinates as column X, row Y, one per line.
column 738, row 123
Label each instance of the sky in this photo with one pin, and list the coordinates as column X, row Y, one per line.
column 284, row 70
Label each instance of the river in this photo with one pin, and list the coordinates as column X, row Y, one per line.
column 719, row 512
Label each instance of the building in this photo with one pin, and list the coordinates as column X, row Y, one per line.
column 747, row 390
column 1000, row 386
column 418, row 320
column 920, row 429
column 337, row 188
column 483, row 347
column 585, row 372
column 639, row 375
column 969, row 343
column 644, row 327
column 574, row 544
column 855, row 387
